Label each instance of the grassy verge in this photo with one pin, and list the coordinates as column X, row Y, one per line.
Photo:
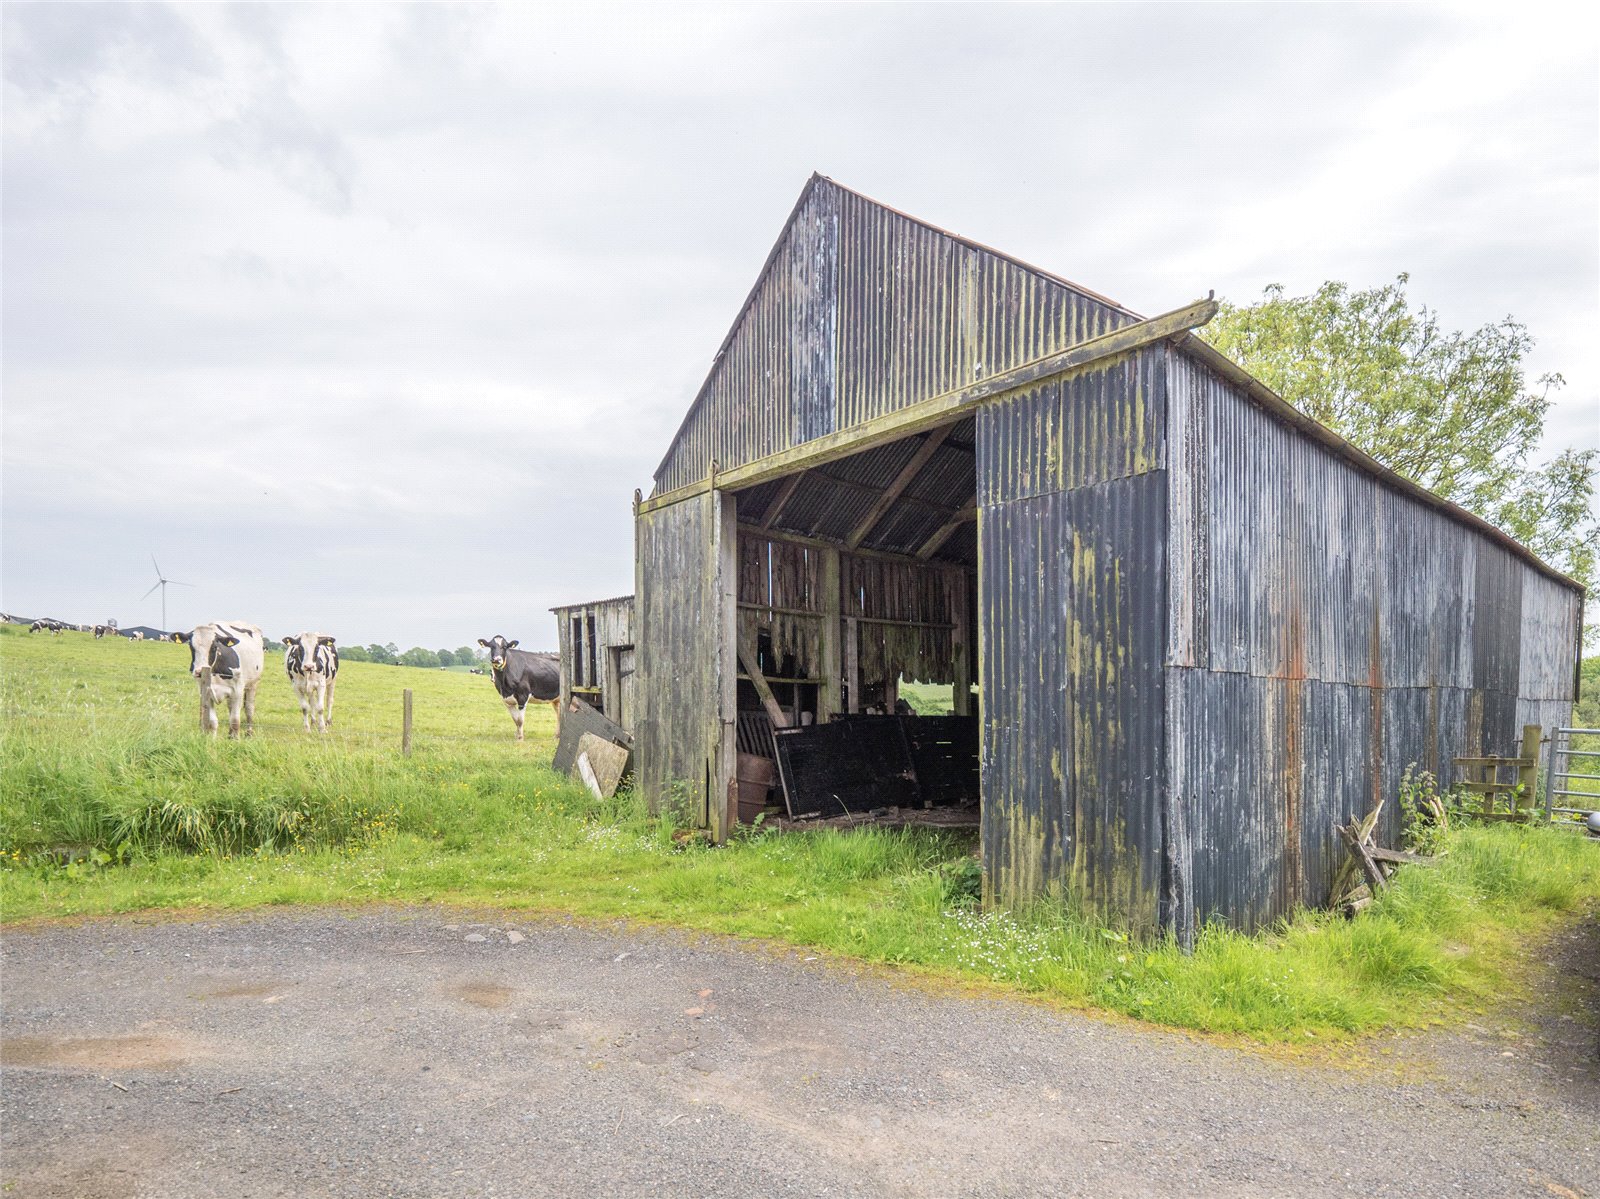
column 109, row 802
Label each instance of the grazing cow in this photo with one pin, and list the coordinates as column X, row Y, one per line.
column 520, row 676
column 235, row 654
column 101, row 630
column 312, row 663
column 136, row 635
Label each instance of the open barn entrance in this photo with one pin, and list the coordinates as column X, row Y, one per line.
column 856, row 577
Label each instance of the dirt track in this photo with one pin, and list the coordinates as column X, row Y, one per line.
column 412, row 1053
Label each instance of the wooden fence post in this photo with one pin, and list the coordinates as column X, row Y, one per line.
column 405, row 728
column 1528, row 770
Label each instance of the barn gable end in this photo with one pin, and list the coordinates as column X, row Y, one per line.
column 861, row 311
column 1203, row 627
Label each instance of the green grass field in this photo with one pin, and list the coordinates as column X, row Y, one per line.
column 111, row 800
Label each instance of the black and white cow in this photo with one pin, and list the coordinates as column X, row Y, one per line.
column 235, row 652
column 312, row 663
column 100, row 630
column 520, row 676
column 46, row 625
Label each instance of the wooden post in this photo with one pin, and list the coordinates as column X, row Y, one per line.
column 405, row 727
column 960, row 651
column 852, row 662
column 205, row 697
column 1528, row 771
column 752, row 667
column 1357, row 843
column 830, row 696
column 722, row 796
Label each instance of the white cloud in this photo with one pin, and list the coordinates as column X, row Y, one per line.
column 481, row 256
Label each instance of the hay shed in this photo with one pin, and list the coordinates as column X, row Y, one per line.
column 1192, row 628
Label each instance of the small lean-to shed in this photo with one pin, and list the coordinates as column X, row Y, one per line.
column 597, row 656
column 1202, row 627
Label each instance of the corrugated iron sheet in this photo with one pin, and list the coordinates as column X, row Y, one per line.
column 1073, row 628
column 860, row 311
column 1326, row 631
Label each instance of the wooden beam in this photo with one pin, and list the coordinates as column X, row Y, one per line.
column 942, row 409
column 785, row 493
column 822, row 544
column 960, row 650
column 830, row 696
column 1358, row 848
column 852, row 662
column 931, row 546
column 775, row 712
column 930, row 443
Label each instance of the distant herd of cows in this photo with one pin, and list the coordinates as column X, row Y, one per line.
column 228, row 658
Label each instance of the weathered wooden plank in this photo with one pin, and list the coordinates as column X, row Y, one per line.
column 852, row 663
column 723, row 752
column 1399, row 857
column 824, row 544
column 779, row 501
column 830, row 696
column 752, row 671
column 1358, row 847
column 963, row 516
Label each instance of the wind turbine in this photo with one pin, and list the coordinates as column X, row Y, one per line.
column 161, row 582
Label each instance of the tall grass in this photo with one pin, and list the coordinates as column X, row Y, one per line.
column 100, row 751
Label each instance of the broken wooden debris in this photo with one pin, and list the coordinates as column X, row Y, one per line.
column 1368, row 860
column 592, row 748
column 601, row 765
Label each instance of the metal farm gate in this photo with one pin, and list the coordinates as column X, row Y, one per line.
column 1559, row 774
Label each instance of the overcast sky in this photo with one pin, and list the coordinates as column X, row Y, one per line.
column 371, row 319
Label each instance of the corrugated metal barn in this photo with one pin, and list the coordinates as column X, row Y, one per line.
column 1201, row 627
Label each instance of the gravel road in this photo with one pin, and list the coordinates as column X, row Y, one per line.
column 412, row 1053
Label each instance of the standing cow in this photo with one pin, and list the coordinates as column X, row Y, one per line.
column 520, row 676
column 312, row 663
column 235, row 653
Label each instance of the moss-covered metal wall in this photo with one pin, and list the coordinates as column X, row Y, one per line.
column 1071, row 593
column 1326, row 629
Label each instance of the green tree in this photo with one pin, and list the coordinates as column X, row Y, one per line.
column 446, row 658
column 354, row 653
column 466, row 655
column 1454, row 411
column 417, row 656
column 384, row 654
